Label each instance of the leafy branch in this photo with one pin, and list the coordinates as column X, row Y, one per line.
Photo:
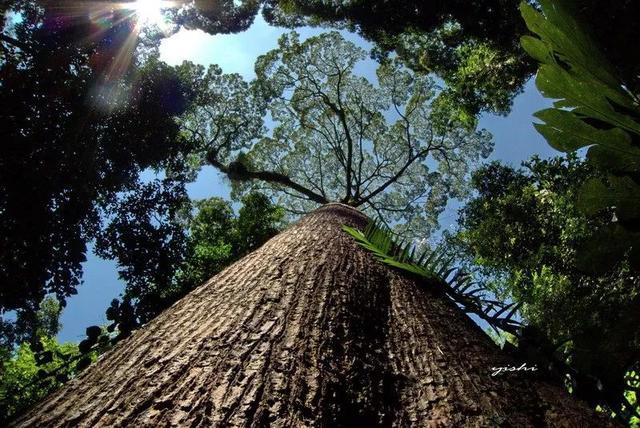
column 594, row 110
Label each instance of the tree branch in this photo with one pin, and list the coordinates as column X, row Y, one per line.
column 392, row 179
column 237, row 171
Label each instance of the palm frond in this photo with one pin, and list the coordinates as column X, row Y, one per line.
column 439, row 268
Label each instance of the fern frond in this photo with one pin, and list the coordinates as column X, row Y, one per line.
column 439, row 267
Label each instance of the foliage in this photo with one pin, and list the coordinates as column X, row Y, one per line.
column 25, row 378
column 472, row 46
column 81, row 126
column 219, row 16
column 436, row 269
column 596, row 109
column 478, row 75
column 28, row 327
column 146, row 238
column 160, row 267
column 525, row 231
column 336, row 136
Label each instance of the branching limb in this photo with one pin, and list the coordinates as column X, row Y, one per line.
column 237, row 171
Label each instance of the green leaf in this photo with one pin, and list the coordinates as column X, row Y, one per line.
column 83, row 363
column 93, row 332
column 623, row 194
column 437, row 268
column 537, row 49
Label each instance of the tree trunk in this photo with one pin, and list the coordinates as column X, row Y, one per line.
column 309, row 330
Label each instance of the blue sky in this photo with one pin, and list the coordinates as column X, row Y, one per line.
column 514, row 137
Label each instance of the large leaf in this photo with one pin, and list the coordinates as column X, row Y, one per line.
column 611, row 149
column 593, row 110
column 623, row 194
column 573, row 70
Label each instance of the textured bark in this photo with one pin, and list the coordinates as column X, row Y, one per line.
column 308, row 330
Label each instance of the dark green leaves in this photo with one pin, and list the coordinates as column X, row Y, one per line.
column 595, row 110
column 83, row 363
column 622, row 193
column 85, row 345
column 44, row 357
column 93, row 332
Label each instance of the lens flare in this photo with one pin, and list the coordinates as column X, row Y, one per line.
column 149, row 12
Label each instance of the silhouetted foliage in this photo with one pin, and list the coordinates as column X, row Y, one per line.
column 164, row 253
column 79, row 124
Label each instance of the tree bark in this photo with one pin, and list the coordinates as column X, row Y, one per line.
column 309, row 330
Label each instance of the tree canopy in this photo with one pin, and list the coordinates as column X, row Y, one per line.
column 336, row 136
column 81, row 125
column 472, row 46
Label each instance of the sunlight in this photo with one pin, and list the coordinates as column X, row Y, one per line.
column 148, row 12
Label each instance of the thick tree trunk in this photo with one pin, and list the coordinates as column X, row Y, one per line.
column 308, row 330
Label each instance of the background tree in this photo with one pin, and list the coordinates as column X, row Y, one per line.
column 336, row 136
column 165, row 250
column 27, row 330
column 526, row 232
column 81, row 126
column 38, row 364
column 22, row 384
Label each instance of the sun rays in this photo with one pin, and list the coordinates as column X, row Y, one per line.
column 127, row 21
column 148, row 12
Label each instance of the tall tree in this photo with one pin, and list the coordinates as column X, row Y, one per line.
column 336, row 136
column 309, row 330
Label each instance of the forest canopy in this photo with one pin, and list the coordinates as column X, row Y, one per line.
column 101, row 141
